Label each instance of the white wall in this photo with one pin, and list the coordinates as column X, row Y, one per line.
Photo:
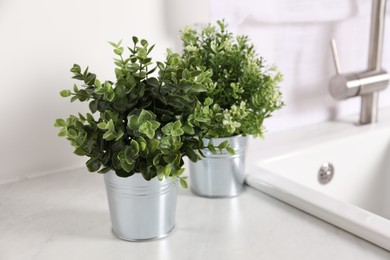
column 41, row 39
column 295, row 35
column 39, row 42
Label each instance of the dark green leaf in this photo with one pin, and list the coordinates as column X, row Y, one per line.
column 191, row 154
column 153, row 82
column 93, row 164
column 93, row 106
column 144, row 42
column 104, row 170
column 75, row 69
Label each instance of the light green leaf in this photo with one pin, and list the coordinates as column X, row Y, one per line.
column 59, row 122
column 230, row 150
column 167, row 170
column 211, row 148
column 65, row 93
column 62, row 132
column 113, row 44
column 178, row 172
column 183, row 183
column 118, row 51
column 188, row 129
column 223, row 145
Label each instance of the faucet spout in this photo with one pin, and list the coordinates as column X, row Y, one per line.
column 376, row 34
column 365, row 84
column 369, row 101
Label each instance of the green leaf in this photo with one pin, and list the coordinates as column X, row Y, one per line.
column 93, row 164
column 129, row 154
column 93, row 106
column 147, row 129
column 109, row 136
column 76, row 68
column 97, row 83
column 153, row 82
column 176, row 125
column 134, row 146
column 142, row 143
column 191, row 154
column 183, row 183
column 80, row 151
column 113, row 44
column 111, row 96
column 144, row 42
column 126, row 166
column 223, row 145
column 151, row 48
column 75, row 88
column 83, row 95
column 135, row 40
column 107, row 86
column 119, row 134
column 118, row 51
column 153, row 145
column 63, row 132
column 188, row 130
column 167, row 170
column 145, row 115
column 102, row 125
column 198, row 88
column 110, row 125
column 230, row 150
column 160, row 172
column 59, row 122
column 65, row 93
column 104, row 170
column 156, row 159
column 211, row 148
column 120, row 91
column 178, row 172
column 167, row 128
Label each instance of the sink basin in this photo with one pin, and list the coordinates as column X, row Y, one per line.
column 356, row 199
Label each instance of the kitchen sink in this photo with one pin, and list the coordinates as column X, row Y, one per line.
column 336, row 171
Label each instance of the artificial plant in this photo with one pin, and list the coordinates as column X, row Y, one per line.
column 139, row 121
column 244, row 89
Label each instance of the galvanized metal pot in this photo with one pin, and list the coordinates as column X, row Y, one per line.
column 139, row 209
column 221, row 174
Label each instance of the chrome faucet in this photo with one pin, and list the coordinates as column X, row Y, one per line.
column 368, row 83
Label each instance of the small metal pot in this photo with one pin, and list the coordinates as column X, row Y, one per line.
column 222, row 174
column 139, row 209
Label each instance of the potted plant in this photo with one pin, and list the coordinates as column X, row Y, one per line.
column 136, row 135
column 244, row 91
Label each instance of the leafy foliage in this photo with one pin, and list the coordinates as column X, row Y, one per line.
column 244, row 91
column 138, row 122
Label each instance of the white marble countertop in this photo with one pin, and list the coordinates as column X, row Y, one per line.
column 65, row 216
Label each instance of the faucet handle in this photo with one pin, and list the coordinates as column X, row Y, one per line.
column 336, row 56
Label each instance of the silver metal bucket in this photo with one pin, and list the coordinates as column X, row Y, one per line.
column 140, row 210
column 221, row 174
